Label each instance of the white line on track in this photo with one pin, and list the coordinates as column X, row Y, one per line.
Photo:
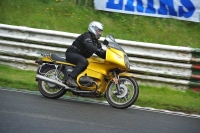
column 90, row 100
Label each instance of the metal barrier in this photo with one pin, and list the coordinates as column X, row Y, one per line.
column 158, row 64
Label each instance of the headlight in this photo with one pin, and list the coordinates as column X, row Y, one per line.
column 126, row 61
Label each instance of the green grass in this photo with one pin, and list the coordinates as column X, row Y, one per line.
column 159, row 98
column 16, row 78
column 170, row 99
column 65, row 15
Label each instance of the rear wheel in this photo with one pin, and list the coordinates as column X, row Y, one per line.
column 128, row 94
column 51, row 90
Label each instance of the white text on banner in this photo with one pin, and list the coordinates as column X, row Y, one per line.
column 188, row 10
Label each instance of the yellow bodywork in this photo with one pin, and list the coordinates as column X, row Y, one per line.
column 99, row 68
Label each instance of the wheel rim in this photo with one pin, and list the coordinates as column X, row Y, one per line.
column 126, row 94
column 123, row 91
column 50, row 87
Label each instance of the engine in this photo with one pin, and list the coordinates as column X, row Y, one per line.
column 86, row 81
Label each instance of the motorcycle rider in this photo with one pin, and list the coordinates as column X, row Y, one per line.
column 82, row 48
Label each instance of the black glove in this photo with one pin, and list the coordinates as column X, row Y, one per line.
column 101, row 53
column 99, row 50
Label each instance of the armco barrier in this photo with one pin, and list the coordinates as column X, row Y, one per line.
column 150, row 63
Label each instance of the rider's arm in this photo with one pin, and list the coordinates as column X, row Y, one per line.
column 100, row 52
column 89, row 46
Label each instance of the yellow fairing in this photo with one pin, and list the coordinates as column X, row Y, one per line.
column 48, row 59
column 116, row 57
column 126, row 74
column 99, row 68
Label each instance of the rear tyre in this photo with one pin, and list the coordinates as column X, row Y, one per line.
column 50, row 90
column 128, row 94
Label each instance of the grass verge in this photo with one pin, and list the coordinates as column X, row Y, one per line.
column 159, row 98
column 68, row 16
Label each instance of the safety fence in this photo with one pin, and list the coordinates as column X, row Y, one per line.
column 153, row 64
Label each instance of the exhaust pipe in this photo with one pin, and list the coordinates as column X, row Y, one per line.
column 46, row 79
column 51, row 81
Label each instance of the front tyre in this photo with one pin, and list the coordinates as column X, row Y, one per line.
column 51, row 90
column 129, row 92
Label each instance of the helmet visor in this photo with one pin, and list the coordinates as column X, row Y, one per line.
column 99, row 32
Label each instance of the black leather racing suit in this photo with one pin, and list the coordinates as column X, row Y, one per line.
column 83, row 47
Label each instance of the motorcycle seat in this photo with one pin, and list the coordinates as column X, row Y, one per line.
column 57, row 58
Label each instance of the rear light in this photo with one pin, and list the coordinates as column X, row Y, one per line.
column 38, row 62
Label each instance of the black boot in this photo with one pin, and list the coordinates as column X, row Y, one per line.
column 71, row 82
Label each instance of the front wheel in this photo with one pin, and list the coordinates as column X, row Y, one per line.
column 128, row 94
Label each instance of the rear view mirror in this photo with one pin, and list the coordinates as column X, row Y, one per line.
column 105, row 42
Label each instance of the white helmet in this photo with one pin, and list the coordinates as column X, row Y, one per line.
column 96, row 29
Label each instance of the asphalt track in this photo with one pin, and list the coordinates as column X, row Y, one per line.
column 30, row 112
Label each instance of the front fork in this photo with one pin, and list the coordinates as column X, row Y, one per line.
column 116, row 81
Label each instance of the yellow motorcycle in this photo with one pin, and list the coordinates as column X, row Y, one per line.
column 102, row 78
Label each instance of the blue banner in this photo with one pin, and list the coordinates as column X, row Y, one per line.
column 188, row 10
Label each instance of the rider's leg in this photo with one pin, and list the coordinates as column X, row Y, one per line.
column 81, row 64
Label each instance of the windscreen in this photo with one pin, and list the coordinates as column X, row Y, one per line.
column 112, row 43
